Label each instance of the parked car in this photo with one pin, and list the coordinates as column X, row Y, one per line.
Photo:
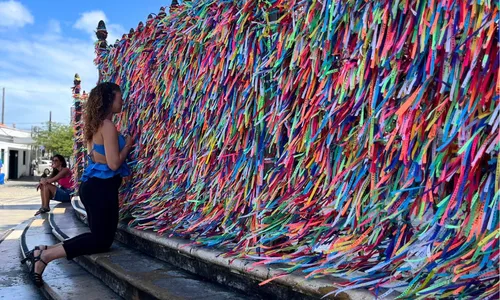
column 44, row 166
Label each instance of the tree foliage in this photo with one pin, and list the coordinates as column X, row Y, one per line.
column 58, row 140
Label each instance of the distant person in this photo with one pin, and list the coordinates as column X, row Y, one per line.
column 62, row 175
column 33, row 167
column 100, row 182
column 46, row 174
column 2, row 175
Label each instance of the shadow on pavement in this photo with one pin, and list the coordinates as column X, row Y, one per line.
column 27, row 185
column 20, row 207
column 26, row 179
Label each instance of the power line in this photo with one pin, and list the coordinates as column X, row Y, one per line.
column 26, row 123
column 28, row 91
column 3, row 104
column 35, row 123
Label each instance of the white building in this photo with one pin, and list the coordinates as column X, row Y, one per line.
column 15, row 152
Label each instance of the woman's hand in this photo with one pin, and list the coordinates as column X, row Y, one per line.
column 129, row 142
column 43, row 182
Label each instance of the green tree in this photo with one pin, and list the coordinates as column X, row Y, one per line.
column 59, row 140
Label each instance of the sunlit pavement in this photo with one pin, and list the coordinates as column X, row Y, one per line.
column 19, row 201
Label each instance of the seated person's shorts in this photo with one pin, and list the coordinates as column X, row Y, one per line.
column 62, row 195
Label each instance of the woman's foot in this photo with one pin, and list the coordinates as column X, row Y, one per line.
column 42, row 210
column 30, row 254
column 38, row 264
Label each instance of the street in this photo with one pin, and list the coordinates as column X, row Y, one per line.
column 19, row 201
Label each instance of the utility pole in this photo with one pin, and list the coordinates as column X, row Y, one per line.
column 50, row 121
column 3, row 104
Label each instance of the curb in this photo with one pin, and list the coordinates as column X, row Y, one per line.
column 54, row 288
column 183, row 254
column 47, row 292
column 133, row 275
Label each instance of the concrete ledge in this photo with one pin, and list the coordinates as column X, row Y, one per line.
column 237, row 273
column 80, row 211
column 6, row 234
column 14, row 281
column 62, row 279
column 204, row 261
column 134, row 275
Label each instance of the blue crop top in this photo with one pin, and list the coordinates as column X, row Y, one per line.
column 100, row 170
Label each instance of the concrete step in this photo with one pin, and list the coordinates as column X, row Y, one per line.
column 240, row 274
column 14, row 281
column 133, row 274
column 79, row 209
column 63, row 279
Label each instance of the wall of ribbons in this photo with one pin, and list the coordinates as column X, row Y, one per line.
column 357, row 139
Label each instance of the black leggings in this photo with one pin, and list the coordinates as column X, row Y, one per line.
column 100, row 198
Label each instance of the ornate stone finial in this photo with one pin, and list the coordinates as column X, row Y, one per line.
column 150, row 19
column 76, row 82
column 162, row 14
column 173, row 5
column 84, row 96
column 140, row 27
column 131, row 33
column 77, row 79
column 102, row 34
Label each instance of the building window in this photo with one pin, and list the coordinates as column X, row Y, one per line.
column 2, row 156
column 24, row 158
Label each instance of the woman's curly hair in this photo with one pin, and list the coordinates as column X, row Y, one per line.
column 99, row 106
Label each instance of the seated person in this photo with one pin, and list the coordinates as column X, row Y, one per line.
column 48, row 191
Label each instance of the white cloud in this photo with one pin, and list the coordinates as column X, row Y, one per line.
column 40, row 79
column 88, row 22
column 52, row 32
column 13, row 14
column 115, row 32
column 38, row 70
column 54, row 27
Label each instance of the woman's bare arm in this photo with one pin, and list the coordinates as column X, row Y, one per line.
column 64, row 172
column 114, row 157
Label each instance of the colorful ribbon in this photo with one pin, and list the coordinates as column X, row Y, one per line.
column 349, row 138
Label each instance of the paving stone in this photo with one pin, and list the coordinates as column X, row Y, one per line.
column 133, row 274
column 63, row 279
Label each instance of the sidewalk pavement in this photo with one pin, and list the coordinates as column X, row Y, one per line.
column 19, row 201
column 14, row 280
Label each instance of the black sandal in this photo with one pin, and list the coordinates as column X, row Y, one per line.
column 29, row 254
column 42, row 210
column 37, row 278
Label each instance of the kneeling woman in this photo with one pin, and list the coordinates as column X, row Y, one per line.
column 100, row 182
column 48, row 191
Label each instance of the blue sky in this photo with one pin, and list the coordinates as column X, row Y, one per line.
column 44, row 43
